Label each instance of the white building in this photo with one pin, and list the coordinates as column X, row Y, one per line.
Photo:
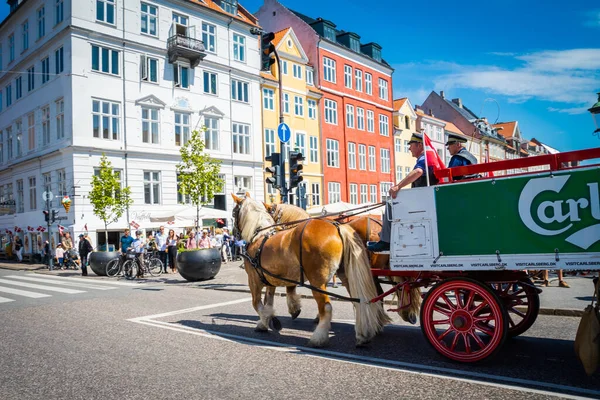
column 130, row 79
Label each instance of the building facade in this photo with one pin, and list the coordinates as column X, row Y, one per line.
column 405, row 124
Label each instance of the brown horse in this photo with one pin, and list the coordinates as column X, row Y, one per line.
column 313, row 250
column 368, row 229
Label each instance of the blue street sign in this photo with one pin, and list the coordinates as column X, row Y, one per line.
column 284, row 133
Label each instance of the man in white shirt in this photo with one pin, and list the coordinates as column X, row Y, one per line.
column 161, row 245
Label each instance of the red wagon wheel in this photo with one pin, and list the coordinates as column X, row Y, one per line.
column 464, row 320
column 522, row 302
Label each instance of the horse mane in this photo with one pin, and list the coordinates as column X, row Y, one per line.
column 289, row 212
column 253, row 216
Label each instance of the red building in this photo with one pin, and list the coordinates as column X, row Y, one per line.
column 357, row 143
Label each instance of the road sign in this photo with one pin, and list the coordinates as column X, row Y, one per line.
column 62, row 218
column 284, row 133
column 47, row 196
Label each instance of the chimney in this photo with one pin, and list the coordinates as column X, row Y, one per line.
column 442, row 94
column 458, row 102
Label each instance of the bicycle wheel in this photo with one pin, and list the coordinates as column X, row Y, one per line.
column 155, row 266
column 113, row 267
column 130, row 269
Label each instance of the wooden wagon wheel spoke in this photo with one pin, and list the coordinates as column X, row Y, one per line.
column 448, row 302
column 470, row 300
column 485, row 329
column 442, row 311
column 515, row 311
column 442, row 321
column 477, row 339
column 511, row 323
column 479, row 308
column 446, row 332
column 458, row 296
column 465, row 337
column 454, row 341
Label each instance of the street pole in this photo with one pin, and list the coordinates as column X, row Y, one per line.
column 50, row 260
column 284, row 190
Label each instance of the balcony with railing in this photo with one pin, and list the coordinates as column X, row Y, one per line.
column 183, row 44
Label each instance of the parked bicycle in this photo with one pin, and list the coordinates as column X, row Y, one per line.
column 116, row 267
column 70, row 260
column 144, row 263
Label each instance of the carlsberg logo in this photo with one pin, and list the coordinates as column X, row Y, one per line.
column 552, row 211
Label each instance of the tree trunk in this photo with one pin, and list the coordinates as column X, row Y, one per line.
column 197, row 217
column 106, row 235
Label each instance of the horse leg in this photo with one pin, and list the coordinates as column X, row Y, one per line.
column 256, row 291
column 293, row 302
column 320, row 336
column 409, row 302
column 273, row 321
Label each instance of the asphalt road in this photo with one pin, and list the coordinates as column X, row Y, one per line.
column 173, row 339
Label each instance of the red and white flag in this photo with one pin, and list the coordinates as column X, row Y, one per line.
column 61, row 229
column 85, row 227
column 171, row 223
column 433, row 158
column 134, row 224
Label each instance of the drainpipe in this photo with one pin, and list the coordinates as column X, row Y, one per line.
column 230, row 101
column 124, row 121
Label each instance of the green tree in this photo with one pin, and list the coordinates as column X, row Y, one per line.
column 108, row 198
column 198, row 173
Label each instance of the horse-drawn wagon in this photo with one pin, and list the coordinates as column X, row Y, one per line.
column 470, row 240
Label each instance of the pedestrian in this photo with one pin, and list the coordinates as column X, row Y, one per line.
column 138, row 245
column 204, row 242
column 18, row 247
column 191, row 242
column 59, row 254
column 161, row 245
column 217, row 243
column 172, row 251
column 85, row 248
column 67, row 242
column 227, row 244
column 126, row 241
column 240, row 246
column 416, row 178
column 561, row 279
column 460, row 156
column 47, row 253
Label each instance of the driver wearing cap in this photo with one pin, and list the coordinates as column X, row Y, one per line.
column 460, row 156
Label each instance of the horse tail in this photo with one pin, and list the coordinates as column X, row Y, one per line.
column 370, row 317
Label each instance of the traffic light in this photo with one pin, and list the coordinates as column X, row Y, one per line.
column 266, row 48
column 46, row 216
column 296, row 168
column 275, row 170
column 54, row 215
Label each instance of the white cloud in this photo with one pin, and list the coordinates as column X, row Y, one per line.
column 570, row 111
column 416, row 96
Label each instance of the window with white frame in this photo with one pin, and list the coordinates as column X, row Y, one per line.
column 61, row 178
column 182, row 128
column 373, row 193
column 314, row 149
column 351, row 155
column 301, row 142
column 406, row 171
column 298, row 106
column 11, row 47
column 180, row 19
column 384, row 155
column 46, row 69
column 268, row 99
column 58, row 12
column 8, row 91
column 182, row 197
column 297, row 70
column 18, row 87
column 105, row 11
column 152, row 187
column 106, row 119
column 229, row 6
column 149, row 17
column 406, row 146
column 353, row 193
column 47, row 178
column 32, row 193
column 181, row 76
column 398, row 173
column 45, row 125
column 286, row 103
column 383, row 89
column 211, row 136
column 31, row 127
column 60, row 118
column 315, row 193
column 397, row 145
column 384, row 127
column 19, row 128
column 150, row 125
column 103, row 60
column 25, row 35
column 312, row 109
column 335, row 192
column 239, row 90
column 284, row 67
column 59, row 63
column 348, row 76
column 333, row 153
column 329, row 70
column 269, row 142
column 20, row 197
column 349, row 116
column 210, row 82
column 241, row 138
column 9, row 143
column 364, row 193
column 368, row 83
column 362, row 157
column 370, row 121
column 209, row 37
column 360, row 118
column 242, row 182
column 358, row 80
column 372, row 159
column 149, row 69
column 385, row 190
column 239, row 47
column 41, row 22
column 310, row 77
column 331, row 112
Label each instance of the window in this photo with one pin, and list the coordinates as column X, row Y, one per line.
column 398, row 173
column 360, row 118
column 25, row 35
column 329, row 69
column 180, row 19
column 45, row 125
column 333, row 153
column 353, row 193
column 41, row 22
column 181, row 75
column 105, row 11
column 20, row 196
column 310, row 78
column 58, row 12
column 149, row 19
column 373, row 189
column 9, row 143
column 152, row 187
column 59, row 64
column 330, row 112
column 370, row 121
column 312, row 109
column 301, row 142
column 315, row 193
column 106, row 119
column 60, row 119
column 385, row 190
column 1, row 157
column 284, row 69
column 384, row 154
column 8, row 95
column 362, row 157
column 372, row 159
column 358, row 84
column 62, row 182
column 182, row 128
column 269, row 142
column 348, row 76
column 383, row 89
column 406, row 171
column 239, row 47
column 19, row 127
column 268, row 99
column 210, row 83
column 407, row 122
column 241, row 138
column 406, row 146
column 229, row 6
column 329, row 32
column 349, row 116
column 209, row 37
column 368, row 83
column 18, row 88
column 298, row 106
column 314, row 149
column 11, row 47
column 149, row 69
column 297, row 71
column 150, row 125
column 351, row 155
column 334, row 192
column 32, row 193
column 239, row 90
column 384, row 129
column 286, row 103
column 397, row 145
column 182, row 198
column 45, row 70
column 364, row 193
column 211, row 136
column 103, row 60
column 31, row 127
column 47, row 178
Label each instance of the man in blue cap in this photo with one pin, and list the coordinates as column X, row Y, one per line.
column 460, row 156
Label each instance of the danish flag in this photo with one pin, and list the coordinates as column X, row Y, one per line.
column 61, row 229
column 171, row 223
column 433, row 158
column 134, row 224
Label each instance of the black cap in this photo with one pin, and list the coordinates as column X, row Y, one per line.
column 454, row 138
column 416, row 138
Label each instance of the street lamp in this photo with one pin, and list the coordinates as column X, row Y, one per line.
column 595, row 111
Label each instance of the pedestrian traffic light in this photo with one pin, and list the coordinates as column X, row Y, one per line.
column 275, row 170
column 46, row 216
column 296, row 168
column 266, row 49
column 54, row 215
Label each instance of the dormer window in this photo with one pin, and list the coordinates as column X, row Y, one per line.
column 229, row 6
column 377, row 54
column 355, row 45
column 329, row 32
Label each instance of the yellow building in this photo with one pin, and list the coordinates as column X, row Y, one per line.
column 300, row 111
column 405, row 124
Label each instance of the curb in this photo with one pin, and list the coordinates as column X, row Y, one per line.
column 21, row 267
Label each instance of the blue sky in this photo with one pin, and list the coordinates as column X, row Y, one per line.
column 539, row 60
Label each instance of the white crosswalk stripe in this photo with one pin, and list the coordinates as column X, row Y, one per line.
column 24, row 293
column 5, row 300
column 41, row 287
column 84, row 280
column 54, row 282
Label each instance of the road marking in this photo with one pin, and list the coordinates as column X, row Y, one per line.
column 5, row 300
column 24, row 293
column 421, row 369
column 89, row 280
column 51, row 281
column 41, row 287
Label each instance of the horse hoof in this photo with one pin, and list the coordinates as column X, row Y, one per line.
column 275, row 324
column 295, row 315
column 316, row 320
column 412, row 318
column 261, row 328
column 362, row 342
column 317, row 344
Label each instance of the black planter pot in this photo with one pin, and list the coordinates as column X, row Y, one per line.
column 199, row 265
column 99, row 259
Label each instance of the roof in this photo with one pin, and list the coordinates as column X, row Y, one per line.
column 450, row 127
column 399, row 103
column 269, row 76
column 464, row 111
column 242, row 15
column 508, row 128
column 422, row 114
column 279, row 36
